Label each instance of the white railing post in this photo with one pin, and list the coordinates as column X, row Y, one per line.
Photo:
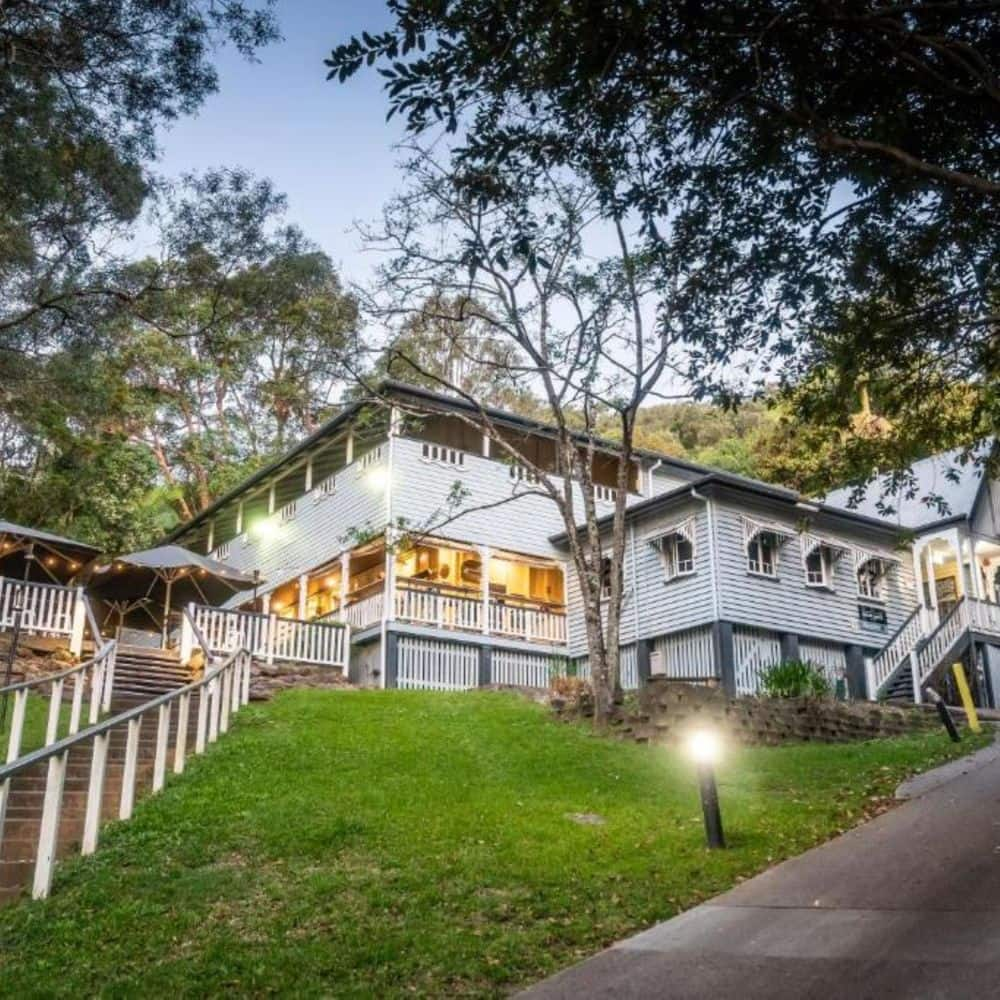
column 55, row 706
column 79, row 680
column 48, row 834
column 95, row 793
column 915, row 673
column 160, row 760
column 269, row 641
column 180, row 740
column 109, row 676
column 79, row 623
column 187, row 636
column 127, row 800
column 213, row 710
column 202, row 728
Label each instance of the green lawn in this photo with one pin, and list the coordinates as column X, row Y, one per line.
column 400, row 843
column 36, row 717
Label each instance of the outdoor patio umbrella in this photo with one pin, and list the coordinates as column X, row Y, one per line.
column 30, row 554
column 167, row 576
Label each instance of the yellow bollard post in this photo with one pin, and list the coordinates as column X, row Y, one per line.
column 963, row 689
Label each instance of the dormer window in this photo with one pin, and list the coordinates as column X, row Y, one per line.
column 675, row 546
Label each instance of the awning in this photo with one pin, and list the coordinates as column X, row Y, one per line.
column 753, row 527
column 685, row 529
column 811, row 542
column 861, row 556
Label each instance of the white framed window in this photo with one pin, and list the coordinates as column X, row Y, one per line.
column 606, row 493
column 522, row 474
column 326, row 488
column 606, row 576
column 871, row 572
column 439, row 453
column 676, row 548
column 818, row 565
column 762, row 554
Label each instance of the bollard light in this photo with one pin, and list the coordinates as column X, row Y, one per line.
column 705, row 748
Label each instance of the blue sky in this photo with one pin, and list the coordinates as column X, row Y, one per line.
column 326, row 145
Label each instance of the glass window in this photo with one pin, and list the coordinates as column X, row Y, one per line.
column 762, row 554
column 677, row 554
column 819, row 566
column 871, row 575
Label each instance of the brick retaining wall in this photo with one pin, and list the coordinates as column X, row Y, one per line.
column 668, row 710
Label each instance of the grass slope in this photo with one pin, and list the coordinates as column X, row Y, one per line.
column 380, row 843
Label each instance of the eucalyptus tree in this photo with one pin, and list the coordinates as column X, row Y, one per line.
column 837, row 163
column 565, row 307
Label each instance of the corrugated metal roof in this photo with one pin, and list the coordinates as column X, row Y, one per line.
column 943, row 487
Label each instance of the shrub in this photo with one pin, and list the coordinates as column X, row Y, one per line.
column 794, row 679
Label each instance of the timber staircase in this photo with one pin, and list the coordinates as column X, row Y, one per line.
column 26, row 801
column 142, row 673
column 134, row 713
column 917, row 649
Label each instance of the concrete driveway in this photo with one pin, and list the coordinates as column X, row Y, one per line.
column 905, row 906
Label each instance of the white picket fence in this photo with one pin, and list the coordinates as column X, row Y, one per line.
column 434, row 665
column 267, row 637
column 829, row 657
column 628, row 668
column 44, row 609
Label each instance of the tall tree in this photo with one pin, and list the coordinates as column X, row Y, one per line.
column 576, row 322
column 837, row 164
column 238, row 349
column 84, row 84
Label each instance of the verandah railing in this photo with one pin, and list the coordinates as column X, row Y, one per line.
column 448, row 609
column 900, row 646
column 221, row 692
column 45, row 609
column 267, row 637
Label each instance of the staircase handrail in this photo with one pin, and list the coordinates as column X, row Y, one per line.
column 199, row 634
column 896, row 649
column 100, row 667
column 931, row 650
column 222, row 691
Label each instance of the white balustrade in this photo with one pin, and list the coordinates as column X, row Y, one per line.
column 267, row 636
column 363, row 613
column 45, row 608
column 888, row 660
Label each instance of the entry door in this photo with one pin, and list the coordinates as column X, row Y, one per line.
column 946, row 588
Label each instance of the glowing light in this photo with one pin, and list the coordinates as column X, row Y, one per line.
column 376, row 478
column 704, row 746
column 264, row 528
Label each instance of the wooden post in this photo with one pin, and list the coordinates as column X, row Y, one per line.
column 484, row 555
column 79, row 623
column 48, row 835
column 55, row 704
column 160, row 760
column 95, row 793
column 180, row 741
column 303, row 594
column 187, row 636
column 131, row 761
column 349, row 447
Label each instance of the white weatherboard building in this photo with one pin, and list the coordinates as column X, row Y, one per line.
column 723, row 575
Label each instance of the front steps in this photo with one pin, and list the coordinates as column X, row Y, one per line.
column 141, row 674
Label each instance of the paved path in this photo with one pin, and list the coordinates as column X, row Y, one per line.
column 905, row 906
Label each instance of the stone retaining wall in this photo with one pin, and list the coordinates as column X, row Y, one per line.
column 668, row 710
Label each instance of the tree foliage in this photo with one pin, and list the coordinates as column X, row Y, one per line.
column 84, row 84
column 236, row 353
column 831, row 170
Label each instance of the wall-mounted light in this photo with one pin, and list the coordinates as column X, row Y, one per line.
column 264, row 528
